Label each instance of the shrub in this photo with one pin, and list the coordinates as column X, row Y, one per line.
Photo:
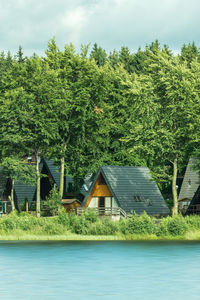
column 53, row 202
column 51, row 227
column 79, row 224
column 193, row 221
column 172, row 226
column 138, row 225
column 90, row 215
column 103, row 227
column 63, row 217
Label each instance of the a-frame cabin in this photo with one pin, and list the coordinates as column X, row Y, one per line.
column 126, row 190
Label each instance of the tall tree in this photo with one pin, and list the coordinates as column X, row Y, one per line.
column 166, row 133
column 99, row 55
column 26, row 111
column 77, row 80
column 20, row 56
column 189, row 53
column 127, row 59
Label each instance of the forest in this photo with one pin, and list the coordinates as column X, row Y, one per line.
column 89, row 108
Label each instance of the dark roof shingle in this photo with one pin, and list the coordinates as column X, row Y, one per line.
column 127, row 182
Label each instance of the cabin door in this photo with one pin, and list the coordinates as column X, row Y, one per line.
column 101, row 202
column 101, row 205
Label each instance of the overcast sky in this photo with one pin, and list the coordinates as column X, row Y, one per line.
column 110, row 23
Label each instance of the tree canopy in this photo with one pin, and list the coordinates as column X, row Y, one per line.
column 90, row 109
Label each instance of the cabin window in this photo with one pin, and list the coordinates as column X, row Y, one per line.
column 101, row 202
column 137, row 198
column 94, row 202
column 108, row 202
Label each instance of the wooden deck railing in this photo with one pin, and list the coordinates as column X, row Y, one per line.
column 105, row 211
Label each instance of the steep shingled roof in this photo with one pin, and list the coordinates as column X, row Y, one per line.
column 23, row 191
column 54, row 170
column 3, row 180
column 191, row 181
column 128, row 183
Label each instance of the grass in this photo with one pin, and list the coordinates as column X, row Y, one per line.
column 25, row 236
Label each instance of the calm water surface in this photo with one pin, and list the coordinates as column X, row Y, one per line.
column 99, row 270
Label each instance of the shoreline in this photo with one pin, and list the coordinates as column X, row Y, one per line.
column 75, row 237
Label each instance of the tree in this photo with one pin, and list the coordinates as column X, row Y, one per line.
column 20, row 56
column 113, row 58
column 26, row 111
column 165, row 133
column 99, row 55
column 41, row 125
column 127, row 59
column 189, row 53
column 74, row 105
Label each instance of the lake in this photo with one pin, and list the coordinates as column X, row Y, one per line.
column 99, row 270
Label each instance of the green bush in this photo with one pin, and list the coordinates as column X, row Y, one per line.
column 174, row 226
column 52, row 227
column 103, row 227
column 138, row 225
column 79, row 225
column 89, row 224
column 53, row 202
column 193, row 221
column 63, row 217
column 90, row 215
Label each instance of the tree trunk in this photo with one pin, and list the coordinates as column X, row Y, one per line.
column 12, row 195
column 174, row 189
column 26, row 206
column 62, row 173
column 62, row 168
column 38, row 186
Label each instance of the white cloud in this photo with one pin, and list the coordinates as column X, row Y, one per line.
column 74, row 21
column 110, row 23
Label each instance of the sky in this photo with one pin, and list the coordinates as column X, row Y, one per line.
column 109, row 23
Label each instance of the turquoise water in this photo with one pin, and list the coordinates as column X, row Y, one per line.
column 99, row 270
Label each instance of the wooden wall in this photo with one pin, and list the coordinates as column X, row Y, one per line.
column 100, row 189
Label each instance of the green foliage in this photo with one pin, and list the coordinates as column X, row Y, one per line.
column 104, row 227
column 63, row 217
column 91, row 215
column 193, row 221
column 53, row 202
column 87, row 224
column 52, row 227
column 123, row 109
column 172, row 226
column 138, row 225
column 99, row 55
column 14, row 167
